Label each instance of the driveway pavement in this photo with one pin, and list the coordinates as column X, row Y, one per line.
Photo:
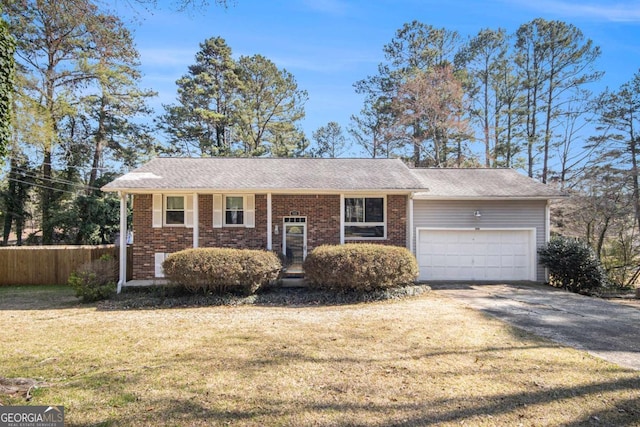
column 603, row 328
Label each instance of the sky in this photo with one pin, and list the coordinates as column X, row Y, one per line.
column 328, row 45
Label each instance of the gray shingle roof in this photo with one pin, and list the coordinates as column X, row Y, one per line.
column 261, row 174
column 326, row 175
column 480, row 183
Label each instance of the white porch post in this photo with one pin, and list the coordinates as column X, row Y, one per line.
column 269, row 224
column 196, row 221
column 123, row 242
column 342, row 219
column 410, row 215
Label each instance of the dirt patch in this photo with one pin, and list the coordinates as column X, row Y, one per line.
column 20, row 387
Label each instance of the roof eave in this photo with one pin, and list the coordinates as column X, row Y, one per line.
column 261, row 190
column 472, row 198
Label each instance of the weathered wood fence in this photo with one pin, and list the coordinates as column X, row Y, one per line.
column 49, row 265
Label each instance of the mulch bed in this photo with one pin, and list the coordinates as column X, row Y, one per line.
column 168, row 297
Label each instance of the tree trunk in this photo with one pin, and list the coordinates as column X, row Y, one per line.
column 47, row 199
column 634, row 172
column 97, row 149
column 9, row 200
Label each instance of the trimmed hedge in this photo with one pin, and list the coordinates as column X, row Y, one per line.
column 220, row 270
column 360, row 267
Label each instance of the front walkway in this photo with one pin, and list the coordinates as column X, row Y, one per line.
column 605, row 329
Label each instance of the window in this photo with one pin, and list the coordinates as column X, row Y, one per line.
column 234, row 210
column 364, row 218
column 174, row 210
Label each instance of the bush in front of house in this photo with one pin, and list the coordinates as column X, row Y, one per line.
column 573, row 265
column 360, row 267
column 96, row 280
column 222, row 270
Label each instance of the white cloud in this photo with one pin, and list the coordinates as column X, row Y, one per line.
column 171, row 57
column 603, row 11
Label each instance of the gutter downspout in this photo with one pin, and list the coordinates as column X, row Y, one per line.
column 123, row 241
column 342, row 219
column 411, row 232
column 547, row 233
column 196, row 221
column 269, row 223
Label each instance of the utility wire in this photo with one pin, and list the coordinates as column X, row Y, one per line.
column 54, row 180
column 43, row 186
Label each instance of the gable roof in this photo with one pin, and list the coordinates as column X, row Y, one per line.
column 268, row 174
column 313, row 175
column 480, row 183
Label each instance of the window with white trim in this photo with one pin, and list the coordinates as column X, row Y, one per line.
column 364, row 218
column 174, row 212
column 234, row 210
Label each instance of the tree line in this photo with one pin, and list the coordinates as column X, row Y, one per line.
column 72, row 107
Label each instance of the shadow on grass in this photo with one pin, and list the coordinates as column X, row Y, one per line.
column 36, row 297
column 330, row 409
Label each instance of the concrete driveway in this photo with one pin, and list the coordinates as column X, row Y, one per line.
column 605, row 329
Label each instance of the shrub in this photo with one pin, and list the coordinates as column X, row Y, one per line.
column 221, row 270
column 573, row 265
column 95, row 280
column 362, row 267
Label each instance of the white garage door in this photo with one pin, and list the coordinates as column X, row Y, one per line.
column 475, row 254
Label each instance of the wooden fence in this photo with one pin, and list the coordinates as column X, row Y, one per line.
column 49, row 265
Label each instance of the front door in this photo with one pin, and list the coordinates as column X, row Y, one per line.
column 294, row 244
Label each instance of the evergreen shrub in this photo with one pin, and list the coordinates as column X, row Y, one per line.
column 222, row 270
column 360, row 267
column 96, row 280
column 573, row 265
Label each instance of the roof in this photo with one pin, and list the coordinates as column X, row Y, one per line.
column 309, row 175
column 267, row 174
column 480, row 183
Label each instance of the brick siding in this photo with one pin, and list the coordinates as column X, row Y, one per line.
column 323, row 227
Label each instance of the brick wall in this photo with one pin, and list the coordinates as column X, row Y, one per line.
column 323, row 217
column 148, row 240
column 396, row 223
column 232, row 237
column 323, row 227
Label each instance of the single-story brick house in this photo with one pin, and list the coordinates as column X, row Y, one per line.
column 462, row 224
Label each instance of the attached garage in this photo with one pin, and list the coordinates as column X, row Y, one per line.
column 476, row 254
column 479, row 224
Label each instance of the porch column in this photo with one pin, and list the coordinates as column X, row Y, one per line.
column 410, row 216
column 269, row 224
column 123, row 241
column 342, row 219
column 196, row 221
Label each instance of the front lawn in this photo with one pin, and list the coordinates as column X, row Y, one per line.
column 419, row 361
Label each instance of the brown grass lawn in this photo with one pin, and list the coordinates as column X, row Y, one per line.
column 420, row 361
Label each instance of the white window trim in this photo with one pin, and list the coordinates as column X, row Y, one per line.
column 224, row 210
column 165, row 210
column 346, row 224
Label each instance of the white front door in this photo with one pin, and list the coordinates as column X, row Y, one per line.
column 294, row 242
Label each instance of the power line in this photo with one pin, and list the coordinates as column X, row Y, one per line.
column 43, row 186
column 54, row 180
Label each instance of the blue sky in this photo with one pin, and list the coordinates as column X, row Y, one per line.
column 328, row 45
